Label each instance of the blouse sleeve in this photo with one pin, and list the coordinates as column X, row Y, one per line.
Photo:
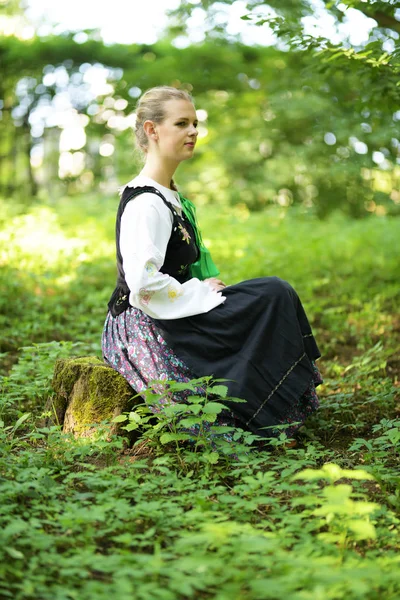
column 146, row 227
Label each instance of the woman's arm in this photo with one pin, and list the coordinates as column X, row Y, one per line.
column 146, row 226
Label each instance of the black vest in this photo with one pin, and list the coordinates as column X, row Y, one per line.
column 181, row 250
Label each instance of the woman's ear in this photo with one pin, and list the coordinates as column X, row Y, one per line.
column 150, row 130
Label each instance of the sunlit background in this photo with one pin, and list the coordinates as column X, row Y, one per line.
column 137, row 23
column 71, row 109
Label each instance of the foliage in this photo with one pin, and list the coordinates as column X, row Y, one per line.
column 54, row 282
column 375, row 60
column 199, row 517
column 28, row 382
column 193, row 510
column 307, row 123
column 192, row 423
column 146, row 529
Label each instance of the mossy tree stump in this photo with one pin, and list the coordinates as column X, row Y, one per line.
column 86, row 393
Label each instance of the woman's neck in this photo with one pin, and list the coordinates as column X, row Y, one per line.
column 162, row 174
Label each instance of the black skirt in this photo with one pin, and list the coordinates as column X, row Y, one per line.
column 260, row 341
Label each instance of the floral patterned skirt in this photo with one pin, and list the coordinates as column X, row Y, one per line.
column 133, row 344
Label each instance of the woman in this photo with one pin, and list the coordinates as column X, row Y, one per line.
column 164, row 323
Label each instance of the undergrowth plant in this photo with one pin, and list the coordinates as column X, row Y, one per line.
column 202, row 422
column 28, row 383
column 199, row 510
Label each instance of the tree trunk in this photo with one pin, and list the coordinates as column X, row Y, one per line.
column 88, row 393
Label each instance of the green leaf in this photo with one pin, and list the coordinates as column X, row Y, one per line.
column 393, row 435
column 333, row 472
column 363, row 530
column 173, row 437
column 14, row 553
column 196, row 409
column 190, row 421
column 237, row 400
column 212, row 457
column 21, row 420
column 133, row 416
column 195, row 399
column 213, row 408
column 119, row 419
column 210, row 417
column 219, row 390
column 131, row 427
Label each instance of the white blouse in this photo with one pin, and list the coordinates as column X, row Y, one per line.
column 146, row 226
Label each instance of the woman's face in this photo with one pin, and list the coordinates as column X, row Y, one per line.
column 177, row 134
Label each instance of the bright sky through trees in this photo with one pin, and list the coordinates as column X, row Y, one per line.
column 131, row 22
column 127, row 21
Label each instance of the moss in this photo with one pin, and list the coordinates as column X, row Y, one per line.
column 93, row 391
column 99, row 395
column 67, row 371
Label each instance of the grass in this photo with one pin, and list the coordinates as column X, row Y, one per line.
column 92, row 519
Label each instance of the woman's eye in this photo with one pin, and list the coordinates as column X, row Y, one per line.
column 183, row 123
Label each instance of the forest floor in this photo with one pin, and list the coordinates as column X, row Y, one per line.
column 91, row 519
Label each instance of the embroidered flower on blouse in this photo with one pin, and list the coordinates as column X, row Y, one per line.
column 150, row 268
column 145, row 296
column 185, row 234
column 173, row 293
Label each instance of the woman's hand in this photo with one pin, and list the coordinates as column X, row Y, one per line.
column 216, row 284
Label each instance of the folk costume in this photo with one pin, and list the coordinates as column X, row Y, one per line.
column 165, row 322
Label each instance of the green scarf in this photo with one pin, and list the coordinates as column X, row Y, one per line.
column 204, row 267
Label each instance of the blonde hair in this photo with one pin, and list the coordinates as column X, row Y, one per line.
column 151, row 108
